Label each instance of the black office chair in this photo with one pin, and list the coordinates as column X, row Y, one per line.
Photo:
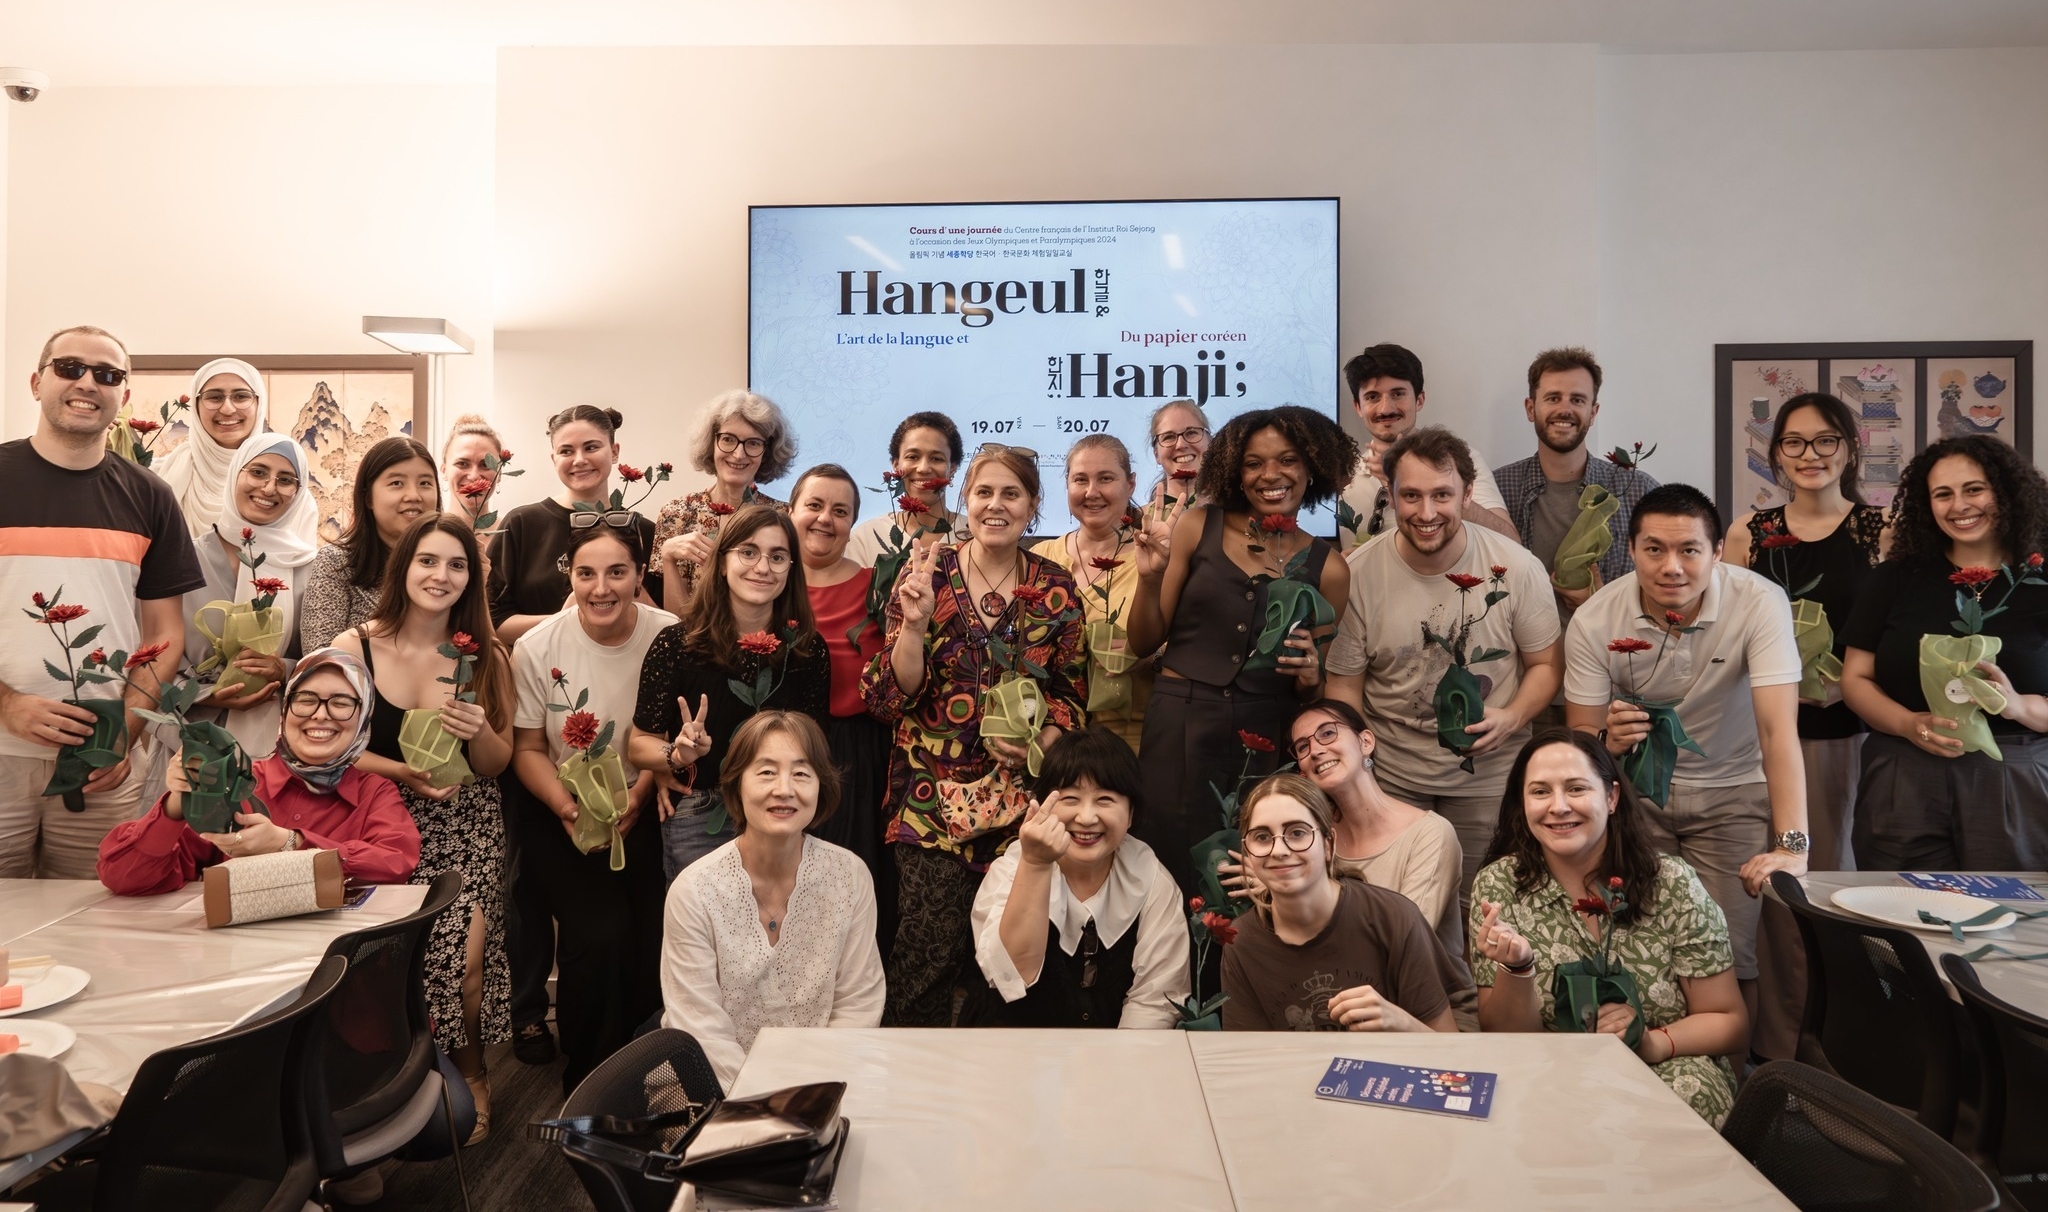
column 2011, row 1141
column 1877, row 1013
column 659, row 1072
column 373, row 1082
column 212, row 1126
column 1827, row 1146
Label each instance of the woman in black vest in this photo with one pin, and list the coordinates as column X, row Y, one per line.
column 1078, row 925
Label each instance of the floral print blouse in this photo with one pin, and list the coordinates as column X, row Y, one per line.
column 694, row 512
column 1685, row 935
column 946, row 790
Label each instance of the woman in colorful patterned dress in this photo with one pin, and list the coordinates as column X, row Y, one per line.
column 743, row 439
column 963, row 619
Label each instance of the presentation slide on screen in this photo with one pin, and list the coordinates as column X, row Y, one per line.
column 1033, row 324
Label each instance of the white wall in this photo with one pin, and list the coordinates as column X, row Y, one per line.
column 248, row 221
column 1469, row 227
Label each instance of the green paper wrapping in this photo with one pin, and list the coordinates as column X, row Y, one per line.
column 1581, row 987
column 1289, row 604
column 1210, row 853
column 76, row 763
column 243, row 628
column 221, row 777
column 1587, row 541
column 1956, row 691
column 430, row 749
column 1110, row 685
column 1212, row 1021
column 1818, row 664
column 1014, row 710
column 1649, row 765
column 601, row 800
column 1459, row 704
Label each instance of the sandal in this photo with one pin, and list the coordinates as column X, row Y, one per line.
column 480, row 1094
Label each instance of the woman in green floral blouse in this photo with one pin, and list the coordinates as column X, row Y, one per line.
column 1570, row 830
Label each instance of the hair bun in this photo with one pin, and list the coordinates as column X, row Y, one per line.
column 617, row 419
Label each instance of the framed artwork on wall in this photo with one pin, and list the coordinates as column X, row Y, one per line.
column 1904, row 394
column 337, row 407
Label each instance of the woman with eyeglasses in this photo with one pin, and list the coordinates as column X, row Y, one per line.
column 432, row 598
column 1180, row 437
column 1322, row 952
column 312, row 794
column 1571, row 840
column 528, row 579
column 395, row 486
column 923, row 453
column 1077, row 925
column 963, row 621
column 228, row 406
column 742, row 440
column 1097, row 553
column 745, row 644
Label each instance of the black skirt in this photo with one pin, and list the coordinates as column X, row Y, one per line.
column 860, row 749
column 1191, row 746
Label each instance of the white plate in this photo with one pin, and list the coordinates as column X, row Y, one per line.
column 1902, row 906
column 40, row 1037
column 43, row 987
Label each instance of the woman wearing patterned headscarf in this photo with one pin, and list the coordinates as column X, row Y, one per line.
column 309, row 795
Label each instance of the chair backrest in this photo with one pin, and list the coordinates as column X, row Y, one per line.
column 1826, row 1145
column 229, row 1104
column 651, row 1075
column 2012, row 1125
column 375, row 1044
column 1877, row 1013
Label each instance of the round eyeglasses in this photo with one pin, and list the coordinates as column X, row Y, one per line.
column 729, row 442
column 1188, row 437
column 1297, row 837
column 340, row 707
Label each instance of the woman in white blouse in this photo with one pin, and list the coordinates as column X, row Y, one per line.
column 775, row 928
column 1078, row 924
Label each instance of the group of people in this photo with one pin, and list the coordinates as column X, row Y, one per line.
column 925, row 771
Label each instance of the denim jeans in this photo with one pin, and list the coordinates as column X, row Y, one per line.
column 684, row 839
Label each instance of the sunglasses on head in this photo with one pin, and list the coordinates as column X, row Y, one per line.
column 74, row 370
column 995, row 447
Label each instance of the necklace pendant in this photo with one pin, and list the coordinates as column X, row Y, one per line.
column 993, row 603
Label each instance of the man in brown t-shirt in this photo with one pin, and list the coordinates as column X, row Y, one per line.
column 1375, row 964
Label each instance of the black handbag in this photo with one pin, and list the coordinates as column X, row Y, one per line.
column 780, row 1149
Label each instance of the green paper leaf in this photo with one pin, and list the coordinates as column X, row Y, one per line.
column 604, row 737
column 55, row 672
column 582, row 697
column 558, row 707
column 93, row 677
column 85, row 637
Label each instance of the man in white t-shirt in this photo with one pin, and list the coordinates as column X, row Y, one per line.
column 1716, row 640
column 1432, row 586
column 1385, row 384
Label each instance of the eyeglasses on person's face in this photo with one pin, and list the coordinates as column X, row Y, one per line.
column 729, row 442
column 749, row 555
column 214, row 397
column 1825, row 445
column 1189, row 436
column 340, row 707
column 75, row 369
column 1259, row 843
column 1325, row 736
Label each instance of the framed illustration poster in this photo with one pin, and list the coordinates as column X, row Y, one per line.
column 337, row 407
column 1903, row 394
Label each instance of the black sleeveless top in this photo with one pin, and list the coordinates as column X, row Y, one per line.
column 1836, row 568
column 1068, row 994
column 385, row 719
column 1220, row 614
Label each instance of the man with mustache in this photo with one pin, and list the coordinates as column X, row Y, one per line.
column 1543, row 490
column 1385, row 383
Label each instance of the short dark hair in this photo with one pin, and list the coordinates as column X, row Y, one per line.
column 928, row 420
column 829, row 471
column 1382, row 361
column 2016, row 485
column 747, row 741
column 1096, row 754
column 1568, row 357
column 1628, row 852
column 1677, row 500
column 1436, row 446
column 1338, row 710
column 628, row 536
column 1329, row 452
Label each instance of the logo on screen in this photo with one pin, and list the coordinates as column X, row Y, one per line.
column 1078, row 376
column 976, row 303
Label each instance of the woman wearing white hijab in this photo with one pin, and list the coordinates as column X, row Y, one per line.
column 267, row 495
column 228, row 405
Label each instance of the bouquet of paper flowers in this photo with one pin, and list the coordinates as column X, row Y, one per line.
column 424, row 742
column 76, row 763
column 251, row 626
column 1650, row 764
column 1214, row 851
column 1459, row 698
column 896, row 550
column 1291, row 601
column 1578, row 989
column 594, row 773
column 1949, row 677
column 1014, row 708
column 1110, row 659
column 472, row 495
column 219, row 772
column 134, row 438
column 1820, row 670
column 1200, row 1013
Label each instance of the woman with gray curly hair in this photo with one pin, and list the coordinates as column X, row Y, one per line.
column 741, row 440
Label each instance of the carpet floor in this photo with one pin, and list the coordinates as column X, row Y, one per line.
column 507, row 1171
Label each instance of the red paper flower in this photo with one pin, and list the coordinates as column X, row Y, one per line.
column 475, row 488
column 1631, row 644
column 1253, row 741
column 98, row 657
column 1464, row 580
column 1127, row 521
column 912, row 505
column 1500, row 570
column 1194, row 904
column 145, row 654
column 63, row 612
column 1614, row 881
column 140, row 425
column 1185, row 473
column 1590, row 904
column 937, row 484
column 271, row 585
column 1767, row 526
column 1278, row 523
column 579, row 731
column 504, row 456
column 631, row 474
column 1220, row 927
column 248, row 533
column 463, row 643
column 2034, row 561
column 719, row 508
column 39, row 600
column 760, row 643
column 1030, row 595
column 554, row 675
column 1674, row 618
column 1973, row 577
column 1105, row 563
column 665, row 468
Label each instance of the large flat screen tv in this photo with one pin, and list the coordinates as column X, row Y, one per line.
column 1034, row 323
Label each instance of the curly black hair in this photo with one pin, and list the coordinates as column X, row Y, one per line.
column 2021, row 493
column 1329, row 451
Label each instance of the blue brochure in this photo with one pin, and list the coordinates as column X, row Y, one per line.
column 1441, row 1091
column 1990, row 887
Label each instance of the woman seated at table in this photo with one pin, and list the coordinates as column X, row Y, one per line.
column 775, row 928
column 1568, row 827
column 1325, row 952
column 1078, row 924
column 316, row 797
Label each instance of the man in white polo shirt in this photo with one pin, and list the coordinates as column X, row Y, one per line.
column 1411, row 594
column 1717, row 641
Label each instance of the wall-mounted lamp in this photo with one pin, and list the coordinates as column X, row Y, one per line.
column 429, row 335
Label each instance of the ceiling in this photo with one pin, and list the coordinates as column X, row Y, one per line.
column 83, row 43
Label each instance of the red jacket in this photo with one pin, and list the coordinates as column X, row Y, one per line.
column 365, row 819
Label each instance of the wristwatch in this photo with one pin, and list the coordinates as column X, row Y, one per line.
column 1792, row 841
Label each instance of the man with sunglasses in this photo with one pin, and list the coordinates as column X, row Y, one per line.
column 79, row 527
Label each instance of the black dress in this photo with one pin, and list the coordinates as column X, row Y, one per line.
column 1085, row 989
column 1837, row 567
